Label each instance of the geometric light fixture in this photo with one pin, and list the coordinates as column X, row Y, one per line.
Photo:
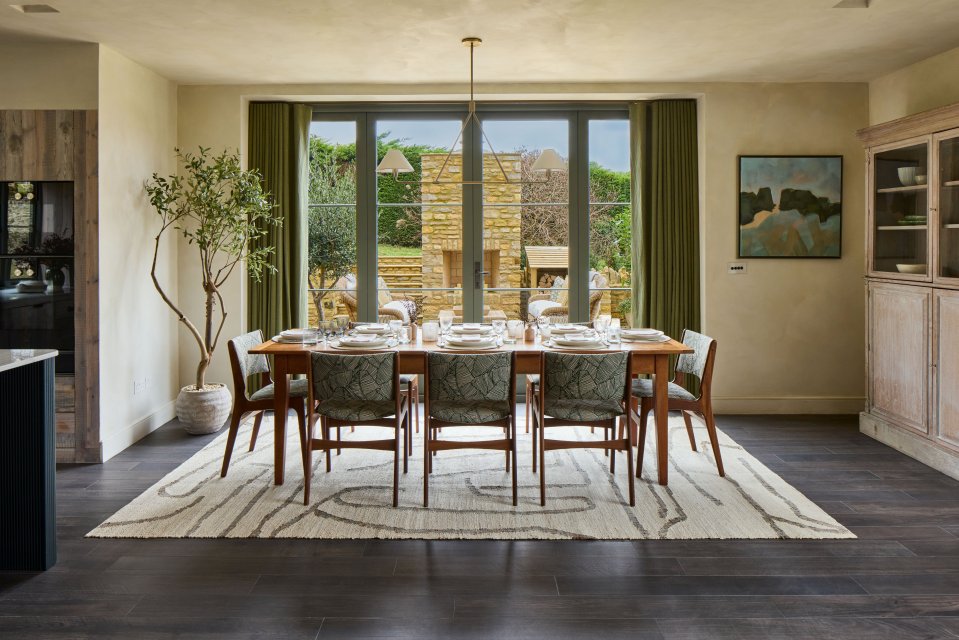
column 395, row 163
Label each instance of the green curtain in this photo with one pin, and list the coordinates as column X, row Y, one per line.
column 665, row 222
column 279, row 150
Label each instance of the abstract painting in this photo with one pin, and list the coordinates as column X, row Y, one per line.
column 790, row 206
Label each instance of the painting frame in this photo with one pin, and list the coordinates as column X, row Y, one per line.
column 787, row 158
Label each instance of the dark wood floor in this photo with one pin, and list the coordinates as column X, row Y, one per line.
column 899, row 580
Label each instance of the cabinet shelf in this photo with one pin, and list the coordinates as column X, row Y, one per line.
column 912, row 187
column 950, row 226
column 905, row 227
column 951, row 183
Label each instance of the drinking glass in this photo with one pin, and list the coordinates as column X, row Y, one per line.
column 602, row 324
column 395, row 326
column 499, row 326
column 342, row 322
column 543, row 323
column 431, row 332
column 446, row 323
column 515, row 329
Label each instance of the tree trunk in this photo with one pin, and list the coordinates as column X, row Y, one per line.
column 208, row 340
column 201, row 372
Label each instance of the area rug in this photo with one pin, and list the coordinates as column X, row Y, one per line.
column 470, row 495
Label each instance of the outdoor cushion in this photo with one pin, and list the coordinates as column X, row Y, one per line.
column 537, row 307
column 396, row 305
column 644, row 389
column 298, row 389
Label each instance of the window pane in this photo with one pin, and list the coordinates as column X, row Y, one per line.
column 525, row 226
column 332, row 220
column 420, row 225
column 610, row 228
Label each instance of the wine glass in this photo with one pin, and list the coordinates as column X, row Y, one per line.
column 499, row 326
column 342, row 322
column 602, row 324
column 395, row 326
column 542, row 322
column 446, row 323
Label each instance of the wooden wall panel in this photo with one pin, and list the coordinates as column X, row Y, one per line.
column 62, row 145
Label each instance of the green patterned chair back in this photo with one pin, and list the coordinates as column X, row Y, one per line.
column 470, row 377
column 695, row 363
column 585, row 376
column 247, row 364
column 361, row 377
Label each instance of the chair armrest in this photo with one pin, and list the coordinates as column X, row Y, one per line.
column 539, row 296
column 394, row 314
column 556, row 311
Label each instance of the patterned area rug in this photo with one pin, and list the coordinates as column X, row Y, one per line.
column 470, row 496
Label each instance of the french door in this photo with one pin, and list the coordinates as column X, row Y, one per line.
column 425, row 241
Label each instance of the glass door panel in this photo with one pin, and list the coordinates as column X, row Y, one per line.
column 331, row 254
column 949, row 208
column 610, row 227
column 525, row 226
column 420, row 225
column 901, row 232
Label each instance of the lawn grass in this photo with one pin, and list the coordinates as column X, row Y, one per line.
column 392, row 251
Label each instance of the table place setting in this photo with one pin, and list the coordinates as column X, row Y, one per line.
column 297, row 336
column 364, row 342
column 579, row 340
column 470, row 341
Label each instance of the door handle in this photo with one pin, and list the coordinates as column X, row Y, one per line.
column 478, row 274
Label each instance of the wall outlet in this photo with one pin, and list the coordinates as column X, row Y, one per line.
column 736, row 268
column 139, row 386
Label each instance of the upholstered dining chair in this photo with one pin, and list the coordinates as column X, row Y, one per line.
column 699, row 365
column 361, row 390
column 244, row 365
column 469, row 389
column 532, row 386
column 583, row 389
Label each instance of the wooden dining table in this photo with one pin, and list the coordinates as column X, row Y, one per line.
column 647, row 358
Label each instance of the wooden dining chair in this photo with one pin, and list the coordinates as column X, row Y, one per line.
column 584, row 389
column 468, row 390
column 361, row 390
column 245, row 364
column 699, row 365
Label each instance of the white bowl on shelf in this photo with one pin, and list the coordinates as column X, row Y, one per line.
column 911, row 268
column 907, row 176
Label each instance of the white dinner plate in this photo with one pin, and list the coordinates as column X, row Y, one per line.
column 659, row 338
column 372, row 346
column 471, row 330
column 287, row 340
column 641, row 333
column 372, row 329
column 470, row 348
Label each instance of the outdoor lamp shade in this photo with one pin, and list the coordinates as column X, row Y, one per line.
column 549, row 160
column 394, row 162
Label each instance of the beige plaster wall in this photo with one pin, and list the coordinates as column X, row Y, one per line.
column 139, row 341
column 930, row 83
column 790, row 331
column 48, row 75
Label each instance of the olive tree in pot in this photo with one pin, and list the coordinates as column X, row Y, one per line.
column 218, row 208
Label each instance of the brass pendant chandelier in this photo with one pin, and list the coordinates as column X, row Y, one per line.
column 395, row 163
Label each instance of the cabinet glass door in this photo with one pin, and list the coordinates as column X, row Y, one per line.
column 900, row 210
column 948, row 185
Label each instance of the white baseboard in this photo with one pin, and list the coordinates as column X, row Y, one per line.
column 120, row 440
column 789, row 405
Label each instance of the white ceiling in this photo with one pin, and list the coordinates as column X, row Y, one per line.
column 417, row 41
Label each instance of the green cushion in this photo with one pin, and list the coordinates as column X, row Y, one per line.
column 356, row 410
column 297, row 389
column 473, row 412
column 643, row 388
column 583, row 410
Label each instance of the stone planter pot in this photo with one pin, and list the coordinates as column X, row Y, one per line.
column 204, row 411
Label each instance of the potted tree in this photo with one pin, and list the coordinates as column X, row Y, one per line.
column 218, row 208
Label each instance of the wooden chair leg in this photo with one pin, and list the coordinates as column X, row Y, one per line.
column 398, row 435
column 326, row 436
column 713, row 438
column 339, row 437
column 535, row 439
column 529, row 403
column 256, row 429
column 512, row 446
column 230, row 441
column 407, row 429
column 308, row 459
column 301, row 419
column 610, row 434
column 427, row 461
column 542, row 465
column 629, row 469
column 641, row 437
column 415, row 401
column 689, row 429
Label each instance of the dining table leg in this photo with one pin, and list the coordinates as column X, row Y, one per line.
column 661, row 410
column 281, row 403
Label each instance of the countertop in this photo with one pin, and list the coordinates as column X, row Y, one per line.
column 13, row 358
